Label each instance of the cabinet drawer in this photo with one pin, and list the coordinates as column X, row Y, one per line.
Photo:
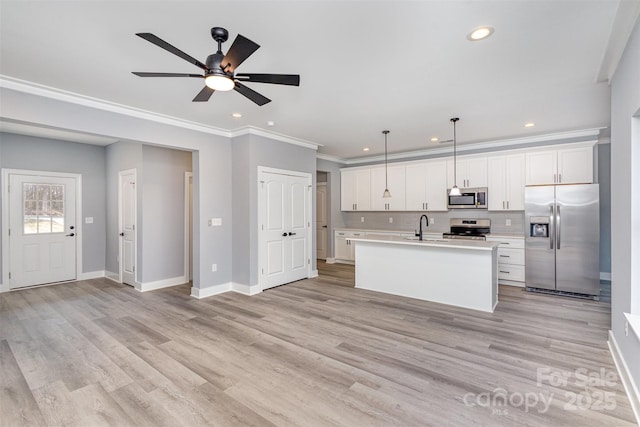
column 510, row 256
column 508, row 242
column 511, row 272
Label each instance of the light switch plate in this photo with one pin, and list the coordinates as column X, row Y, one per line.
column 361, row 219
column 432, row 221
column 390, row 220
column 215, row 222
column 508, row 222
column 88, row 220
column 214, row 267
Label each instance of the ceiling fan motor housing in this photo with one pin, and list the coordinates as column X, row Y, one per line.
column 214, row 62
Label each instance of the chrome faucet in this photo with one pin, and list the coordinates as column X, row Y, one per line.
column 427, row 218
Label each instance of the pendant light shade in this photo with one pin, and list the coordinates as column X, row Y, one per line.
column 455, row 191
column 387, row 193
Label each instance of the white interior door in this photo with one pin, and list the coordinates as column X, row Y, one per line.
column 285, row 229
column 321, row 221
column 188, row 226
column 42, row 229
column 127, row 197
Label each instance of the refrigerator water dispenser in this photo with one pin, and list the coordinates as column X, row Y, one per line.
column 539, row 226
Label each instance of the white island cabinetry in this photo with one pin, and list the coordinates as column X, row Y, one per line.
column 459, row 273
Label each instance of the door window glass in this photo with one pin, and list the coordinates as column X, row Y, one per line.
column 42, row 208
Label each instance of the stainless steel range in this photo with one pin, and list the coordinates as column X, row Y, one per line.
column 468, row 229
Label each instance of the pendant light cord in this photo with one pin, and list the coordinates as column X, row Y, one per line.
column 386, row 182
column 455, row 172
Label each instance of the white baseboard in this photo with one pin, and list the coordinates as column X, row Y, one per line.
column 625, row 376
column 211, row 290
column 159, row 284
column 604, row 275
column 245, row 289
column 3, row 289
column 314, row 273
column 92, row 275
column 112, row 276
column 330, row 260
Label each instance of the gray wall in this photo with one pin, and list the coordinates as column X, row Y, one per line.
column 249, row 152
column 40, row 154
column 625, row 223
column 211, row 164
column 335, row 219
column 604, row 179
column 120, row 156
column 162, row 189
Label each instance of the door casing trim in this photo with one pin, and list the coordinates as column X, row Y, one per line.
column 135, row 214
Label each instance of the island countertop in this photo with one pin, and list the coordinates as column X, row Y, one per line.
column 481, row 245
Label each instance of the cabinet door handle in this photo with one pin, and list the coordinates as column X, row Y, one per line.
column 505, row 256
column 507, row 204
column 560, row 178
column 426, row 206
column 554, row 178
column 505, row 272
column 503, row 204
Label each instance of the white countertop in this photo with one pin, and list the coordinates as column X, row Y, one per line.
column 442, row 243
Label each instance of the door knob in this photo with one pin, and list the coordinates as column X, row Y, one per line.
column 284, row 234
column 71, row 227
column 121, row 234
column 71, row 235
column 324, row 226
column 292, row 234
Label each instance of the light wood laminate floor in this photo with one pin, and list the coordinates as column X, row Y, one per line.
column 313, row 353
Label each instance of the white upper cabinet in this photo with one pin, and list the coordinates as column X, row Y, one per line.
column 471, row 172
column 506, row 182
column 427, row 186
column 562, row 166
column 355, row 192
column 396, row 182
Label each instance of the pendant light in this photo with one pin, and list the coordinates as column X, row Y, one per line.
column 455, row 191
column 387, row 193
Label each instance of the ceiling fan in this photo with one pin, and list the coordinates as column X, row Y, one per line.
column 219, row 69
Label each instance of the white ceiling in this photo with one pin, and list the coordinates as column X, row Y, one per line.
column 364, row 66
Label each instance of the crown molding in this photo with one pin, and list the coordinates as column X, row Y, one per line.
column 100, row 104
column 331, row 158
column 554, row 138
column 624, row 22
column 252, row 130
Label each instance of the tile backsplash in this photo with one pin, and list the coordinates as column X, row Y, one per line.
column 407, row 221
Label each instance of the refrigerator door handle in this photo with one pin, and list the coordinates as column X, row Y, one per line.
column 558, row 226
column 552, row 232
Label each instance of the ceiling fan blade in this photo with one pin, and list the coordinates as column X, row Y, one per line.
column 251, row 94
column 278, row 79
column 204, row 94
column 240, row 50
column 143, row 74
column 170, row 48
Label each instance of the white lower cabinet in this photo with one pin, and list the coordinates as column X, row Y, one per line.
column 510, row 260
column 345, row 249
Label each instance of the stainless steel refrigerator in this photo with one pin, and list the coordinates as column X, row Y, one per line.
column 562, row 238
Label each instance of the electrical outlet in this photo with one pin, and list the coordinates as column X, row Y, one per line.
column 508, row 222
column 432, row 221
column 214, row 267
column 361, row 219
column 390, row 220
column 626, row 328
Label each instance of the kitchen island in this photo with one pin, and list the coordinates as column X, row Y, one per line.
column 462, row 273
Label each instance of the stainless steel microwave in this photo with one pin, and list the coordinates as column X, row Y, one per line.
column 470, row 198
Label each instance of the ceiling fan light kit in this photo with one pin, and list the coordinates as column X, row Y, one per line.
column 219, row 70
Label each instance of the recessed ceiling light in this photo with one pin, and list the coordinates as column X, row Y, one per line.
column 365, row 149
column 237, row 115
column 480, row 33
column 529, row 125
column 271, row 123
column 435, row 139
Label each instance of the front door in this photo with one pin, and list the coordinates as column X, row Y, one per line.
column 285, row 228
column 127, row 198
column 42, row 229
